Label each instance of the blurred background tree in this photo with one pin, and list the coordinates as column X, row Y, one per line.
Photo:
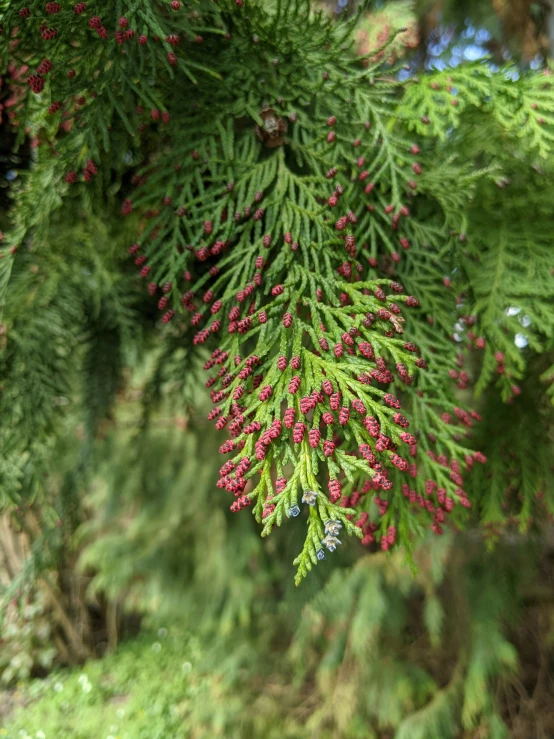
column 452, row 31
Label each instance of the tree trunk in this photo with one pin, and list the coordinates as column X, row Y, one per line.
column 550, row 28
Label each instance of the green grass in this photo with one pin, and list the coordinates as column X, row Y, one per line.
column 153, row 687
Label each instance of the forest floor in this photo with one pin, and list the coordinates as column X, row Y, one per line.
column 166, row 683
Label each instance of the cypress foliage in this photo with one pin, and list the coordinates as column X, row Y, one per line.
column 358, row 261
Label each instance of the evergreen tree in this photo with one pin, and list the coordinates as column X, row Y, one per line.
column 360, row 256
column 362, row 263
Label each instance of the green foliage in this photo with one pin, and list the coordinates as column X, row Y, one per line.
column 357, row 623
column 521, row 103
column 261, row 195
column 286, row 196
column 338, row 664
column 63, row 300
column 374, row 28
column 155, row 687
column 26, row 641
